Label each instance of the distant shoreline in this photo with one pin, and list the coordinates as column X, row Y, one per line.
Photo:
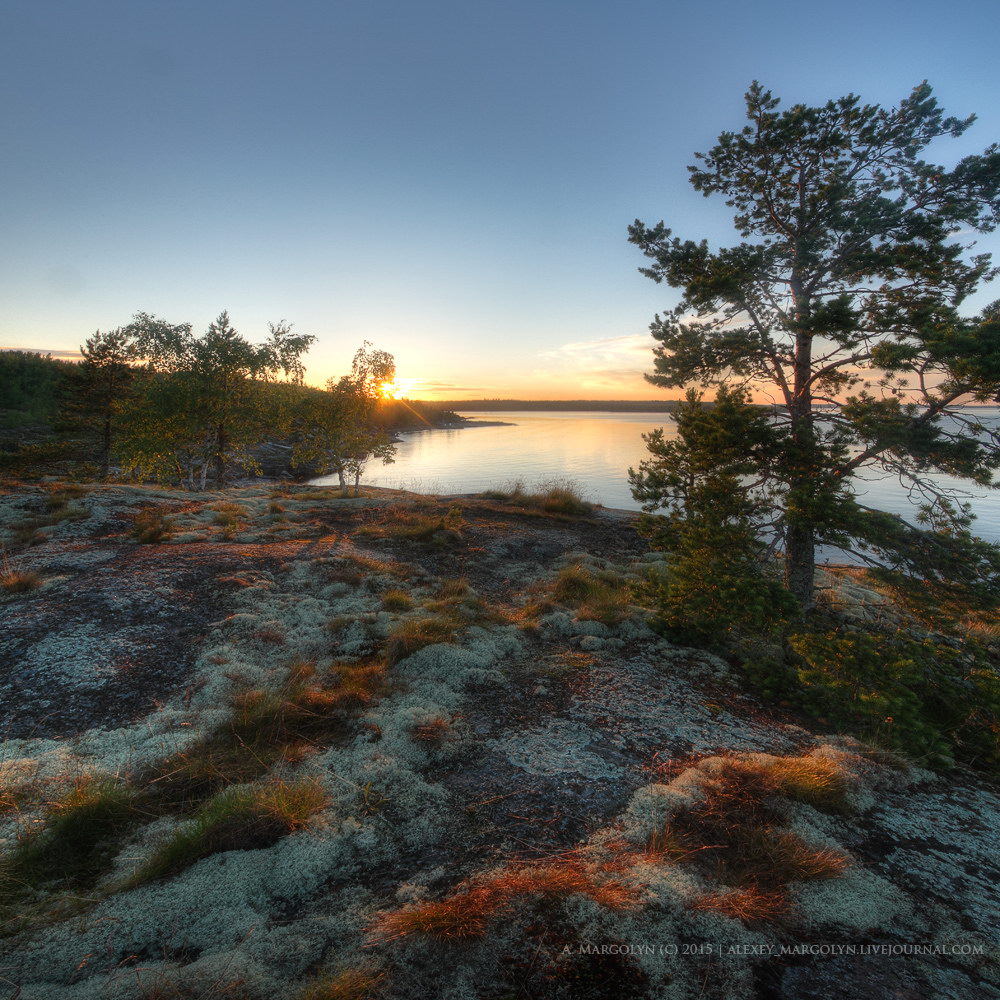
column 558, row 405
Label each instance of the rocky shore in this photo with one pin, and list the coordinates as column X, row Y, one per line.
column 271, row 742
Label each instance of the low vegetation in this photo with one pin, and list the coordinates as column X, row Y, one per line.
column 559, row 500
column 78, row 840
column 348, row 984
column 58, row 507
column 442, row 530
column 735, row 833
column 468, row 911
column 412, row 634
column 14, row 580
column 242, row 818
column 600, row 595
column 268, row 725
column 151, row 527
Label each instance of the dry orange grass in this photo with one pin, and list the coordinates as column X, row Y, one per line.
column 434, row 731
column 468, row 912
column 735, row 834
column 750, row 904
column 350, row 984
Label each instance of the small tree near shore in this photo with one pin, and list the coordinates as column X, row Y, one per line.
column 338, row 432
column 841, row 306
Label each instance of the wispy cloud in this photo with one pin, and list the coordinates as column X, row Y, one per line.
column 610, row 364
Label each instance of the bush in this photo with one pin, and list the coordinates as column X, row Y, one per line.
column 930, row 699
column 708, row 595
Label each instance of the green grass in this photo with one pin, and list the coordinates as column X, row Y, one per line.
column 602, row 596
column 561, row 499
column 78, row 839
column 416, row 633
column 243, row 818
column 151, row 527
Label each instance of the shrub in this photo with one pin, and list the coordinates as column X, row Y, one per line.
column 930, row 699
column 707, row 595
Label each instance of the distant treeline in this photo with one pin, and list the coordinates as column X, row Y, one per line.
column 30, row 387
column 591, row 405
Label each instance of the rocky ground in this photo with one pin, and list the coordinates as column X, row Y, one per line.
column 526, row 794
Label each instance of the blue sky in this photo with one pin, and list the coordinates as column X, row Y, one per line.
column 449, row 180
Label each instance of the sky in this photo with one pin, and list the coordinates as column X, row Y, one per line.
column 451, row 180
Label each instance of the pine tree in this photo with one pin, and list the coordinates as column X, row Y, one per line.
column 841, row 304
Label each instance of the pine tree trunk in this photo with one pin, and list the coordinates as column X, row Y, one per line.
column 106, row 447
column 800, row 535
column 800, row 563
column 220, row 456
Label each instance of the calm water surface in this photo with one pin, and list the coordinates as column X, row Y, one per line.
column 594, row 450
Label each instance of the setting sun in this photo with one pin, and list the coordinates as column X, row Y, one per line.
column 390, row 390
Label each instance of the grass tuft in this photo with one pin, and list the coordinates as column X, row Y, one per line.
column 78, row 839
column 412, row 526
column 268, row 726
column 560, row 499
column 349, row 984
column 468, row 912
column 151, row 527
column 244, row 818
column 416, row 633
column 17, row 581
column 735, row 832
column 817, row 781
column 434, row 732
column 397, row 599
column 750, row 904
column 601, row 596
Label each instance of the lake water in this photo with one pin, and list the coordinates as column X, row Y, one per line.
column 594, row 450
